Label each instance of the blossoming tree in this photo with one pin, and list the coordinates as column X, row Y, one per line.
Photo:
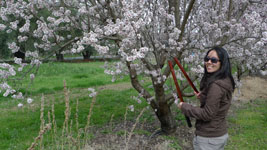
column 145, row 33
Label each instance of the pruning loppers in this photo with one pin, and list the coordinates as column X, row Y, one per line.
column 177, row 86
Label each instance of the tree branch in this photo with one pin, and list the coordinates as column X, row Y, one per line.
column 229, row 9
column 235, row 40
column 186, row 16
column 61, row 48
column 177, row 13
column 138, row 87
column 171, row 99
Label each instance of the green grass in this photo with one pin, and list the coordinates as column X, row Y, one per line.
column 17, row 123
column 248, row 127
column 19, row 126
column 78, row 75
column 50, row 79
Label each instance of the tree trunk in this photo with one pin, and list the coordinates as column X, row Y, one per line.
column 60, row 57
column 164, row 113
column 86, row 55
column 166, row 119
column 20, row 54
column 239, row 72
column 159, row 103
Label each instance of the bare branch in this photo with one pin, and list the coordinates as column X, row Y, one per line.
column 236, row 40
column 242, row 12
column 93, row 2
column 88, row 18
column 186, row 16
column 183, row 87
column 171, row 3
column 171, row 99
column 61, row 48
column 230, row 9
column 177, row 13
column 138, row 87
column 257, row 1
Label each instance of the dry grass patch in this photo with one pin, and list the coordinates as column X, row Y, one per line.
column 252, row 88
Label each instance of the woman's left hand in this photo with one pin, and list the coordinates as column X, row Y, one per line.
column 180, row 105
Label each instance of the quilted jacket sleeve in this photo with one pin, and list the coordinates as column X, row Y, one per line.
column 211, row 107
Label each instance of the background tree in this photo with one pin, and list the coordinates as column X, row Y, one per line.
column 146, row 35
column 88, row 52
column 4, row 51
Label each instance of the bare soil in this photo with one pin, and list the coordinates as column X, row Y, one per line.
column 112, row 137
column 252, row 88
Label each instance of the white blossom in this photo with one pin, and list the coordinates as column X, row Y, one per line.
column 13, row 46
column 14, row 25
column 18, row 96
column 176, row 100
column 22, row 38
column 17, row 60
column 93, row 92
column 25, row 27
column 20, row 105
column 131, row 107
column 32, row 76
column 29, row 100
column 137, row 99
column 2, row 27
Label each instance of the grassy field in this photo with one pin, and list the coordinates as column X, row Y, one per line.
column 20, row 126
column 248, row 126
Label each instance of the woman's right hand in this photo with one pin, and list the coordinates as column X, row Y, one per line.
column 197, row 94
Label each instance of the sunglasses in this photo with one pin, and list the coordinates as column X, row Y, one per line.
column 212, row 59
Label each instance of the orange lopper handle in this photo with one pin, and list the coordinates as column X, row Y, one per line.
column 179, row 92
column 185, row 74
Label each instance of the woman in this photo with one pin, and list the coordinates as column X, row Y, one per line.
column 216, row 86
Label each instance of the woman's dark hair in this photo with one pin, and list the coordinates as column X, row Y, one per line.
column 223, row 72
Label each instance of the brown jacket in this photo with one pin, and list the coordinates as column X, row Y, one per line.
column 215, row 101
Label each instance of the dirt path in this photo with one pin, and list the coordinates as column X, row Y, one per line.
column 252, row 88
column 117, row 87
